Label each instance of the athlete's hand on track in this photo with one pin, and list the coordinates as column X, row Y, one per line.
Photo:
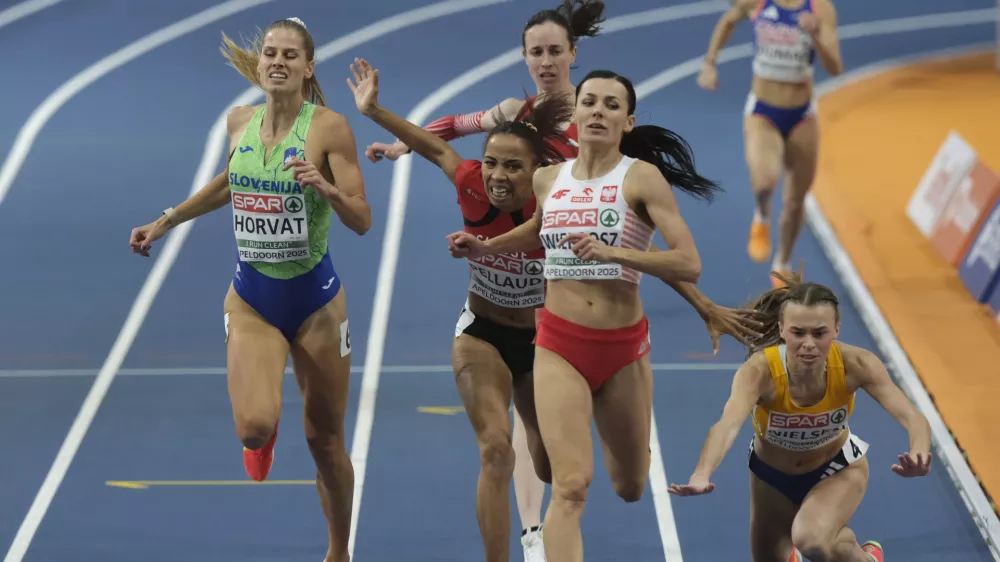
column 738, row 323
column 307, row 175
column 366, row 90
column 378, row 150
column 465, row 245
column 695, row 487
column 913, row 464
column 144, row 236
column 586, row 247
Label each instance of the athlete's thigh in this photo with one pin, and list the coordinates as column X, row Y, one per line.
column 771, row 517
column 524, row 402
column 623, row 412
column 256, row 353
column 801, row 157
column 831, row 504
column 321, row 359
column 764, row 150
column 484, row 384
column 564, row 407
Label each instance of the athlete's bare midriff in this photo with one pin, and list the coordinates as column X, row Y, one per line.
column 604, row 304
column 798, row 462
column 505, row 316
column 783, row 94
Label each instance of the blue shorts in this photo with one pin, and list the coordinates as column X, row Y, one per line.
column 287, row 303
column 783, row 118
column 796, row 486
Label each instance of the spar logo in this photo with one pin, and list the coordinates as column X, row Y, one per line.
column 575, row 218
column 252, row 203
column 275, row 204
column 808, row 421
column 511, row 263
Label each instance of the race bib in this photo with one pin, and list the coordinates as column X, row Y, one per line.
column 270, row 227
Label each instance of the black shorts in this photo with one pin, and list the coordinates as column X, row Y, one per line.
column 515, row 345
column 796, row 486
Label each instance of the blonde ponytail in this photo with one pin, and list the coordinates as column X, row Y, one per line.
column 246, row 59
column 312, row 91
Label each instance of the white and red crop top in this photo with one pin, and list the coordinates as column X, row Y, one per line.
column 596, row 207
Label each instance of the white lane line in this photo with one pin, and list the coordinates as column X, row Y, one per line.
column 207, row 371
column 949, row 453
column 171, row 248
column 23, row 10
column 57, row 99
column 397, row 207
column 963, row 478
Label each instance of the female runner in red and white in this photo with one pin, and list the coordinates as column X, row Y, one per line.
column 596, row 221
column 549, row 40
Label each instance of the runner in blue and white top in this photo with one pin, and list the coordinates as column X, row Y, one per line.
column 788, row 37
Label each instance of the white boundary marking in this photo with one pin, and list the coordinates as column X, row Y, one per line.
column 171, row 248
column 24, row 9
column 950, row 455
column 394, row 233
column 208, row 371
column 57, row 99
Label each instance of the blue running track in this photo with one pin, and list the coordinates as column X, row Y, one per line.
column 129, row 145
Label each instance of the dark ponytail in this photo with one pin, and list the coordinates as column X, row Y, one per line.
column 540, row 126
column 580, row 18
column 663, row 148
column 770, row 305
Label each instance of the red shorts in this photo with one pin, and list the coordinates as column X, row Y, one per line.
column 597, row 354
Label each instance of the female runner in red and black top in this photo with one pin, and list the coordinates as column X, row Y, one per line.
column 493, row 350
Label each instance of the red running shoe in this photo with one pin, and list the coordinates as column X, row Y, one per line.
column 258, row 463
column 874, row 549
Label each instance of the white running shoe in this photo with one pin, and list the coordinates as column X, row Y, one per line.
column 534, row 551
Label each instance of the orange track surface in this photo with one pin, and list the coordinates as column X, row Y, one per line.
column 878, row 137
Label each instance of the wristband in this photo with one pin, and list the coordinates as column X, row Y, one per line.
column 171, row 216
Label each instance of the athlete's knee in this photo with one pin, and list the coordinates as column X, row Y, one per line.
column 812, row 543
column 794, row 201
column 496, row 453
column 764, row 178
column 255, row 432
column 793, row 207
column 328, row 449
column 629, row 487
column 324, row 428
column 571, row 489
